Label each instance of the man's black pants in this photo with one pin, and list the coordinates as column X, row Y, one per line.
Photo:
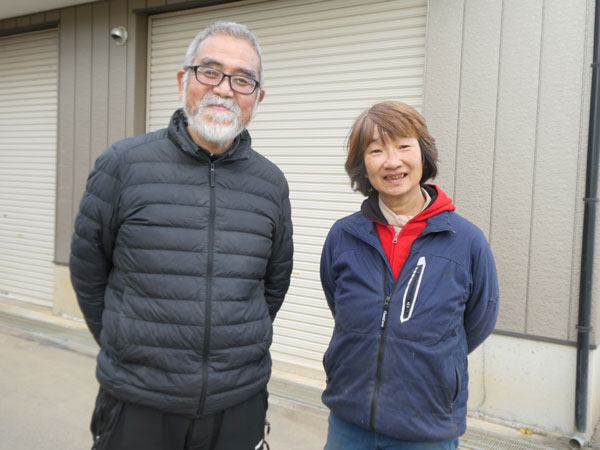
column 118, row 425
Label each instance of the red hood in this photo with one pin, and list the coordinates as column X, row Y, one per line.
column 440, row 202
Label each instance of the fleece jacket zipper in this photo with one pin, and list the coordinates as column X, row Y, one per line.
column 208, row 299
column 382, row 328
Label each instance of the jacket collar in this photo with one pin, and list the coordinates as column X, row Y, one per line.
column 437, row 214
column 439, row 202
column 363, row 228
column 439, row 223
column 177, row 132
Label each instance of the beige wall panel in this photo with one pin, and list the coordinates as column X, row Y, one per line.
column 476, row 129
column 65, row 201
column 514, row 155
column 83, row 104
column 556, row 162
column 99, row 81
column 443, row 51
column 117, row 95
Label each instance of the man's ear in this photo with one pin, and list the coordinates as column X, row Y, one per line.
column 261, row 95
column 180, row 74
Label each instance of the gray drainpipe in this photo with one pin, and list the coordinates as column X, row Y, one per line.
column 587, row 251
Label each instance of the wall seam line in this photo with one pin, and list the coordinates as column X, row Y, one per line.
column 460, row 82
column 495, row 153
column 535, row 154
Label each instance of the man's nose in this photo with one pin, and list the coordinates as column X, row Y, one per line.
column 223, row 88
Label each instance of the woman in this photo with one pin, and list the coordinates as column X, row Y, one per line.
column 413, row 289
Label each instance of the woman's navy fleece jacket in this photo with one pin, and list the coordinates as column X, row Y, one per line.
column 397, row 360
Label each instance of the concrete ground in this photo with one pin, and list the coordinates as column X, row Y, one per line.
column 48, row 387
column 48, row 394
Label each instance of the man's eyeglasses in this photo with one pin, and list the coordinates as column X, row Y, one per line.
column 213, row 77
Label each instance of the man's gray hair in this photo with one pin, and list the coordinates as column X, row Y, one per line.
column 229, row 29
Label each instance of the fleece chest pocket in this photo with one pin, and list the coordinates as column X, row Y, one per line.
column 411, row 293
column 430, row 303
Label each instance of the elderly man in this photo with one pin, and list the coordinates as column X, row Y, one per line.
column 181, row 258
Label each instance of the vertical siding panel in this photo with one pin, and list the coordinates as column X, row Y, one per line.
column 99, row 84
column 83, row 105
column 514, row 158
column 136, row 70
column 442, row 82
column 557, row 156
column 476, row 131
column 117, row 100
column 65, row 202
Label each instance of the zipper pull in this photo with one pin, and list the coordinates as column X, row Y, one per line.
column 386, row 306
column 395, row 241
column 212, row 175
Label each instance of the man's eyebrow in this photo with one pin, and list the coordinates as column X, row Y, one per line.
column 214, row 62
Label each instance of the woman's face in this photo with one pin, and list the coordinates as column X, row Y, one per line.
column 395, row 168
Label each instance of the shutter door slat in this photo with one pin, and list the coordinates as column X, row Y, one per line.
column 323, row 65
column 28, row 103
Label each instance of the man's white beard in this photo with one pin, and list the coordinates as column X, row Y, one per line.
column 220, row 127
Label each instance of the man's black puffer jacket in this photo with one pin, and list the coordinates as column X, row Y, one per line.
column 180, row 266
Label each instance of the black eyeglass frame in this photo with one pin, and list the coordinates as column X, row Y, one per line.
column 223, row 76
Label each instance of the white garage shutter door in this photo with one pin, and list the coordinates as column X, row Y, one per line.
column 324, row 62
column 28, row 92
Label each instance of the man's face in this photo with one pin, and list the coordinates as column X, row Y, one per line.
column 216, row 114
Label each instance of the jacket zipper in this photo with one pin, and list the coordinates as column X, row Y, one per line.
column 394, row 247
column 208, row 301
column 382, row 328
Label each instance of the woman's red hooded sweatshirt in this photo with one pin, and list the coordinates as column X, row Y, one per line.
column 397, row 246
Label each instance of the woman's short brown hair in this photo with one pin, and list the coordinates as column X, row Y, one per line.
column 392, row 120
